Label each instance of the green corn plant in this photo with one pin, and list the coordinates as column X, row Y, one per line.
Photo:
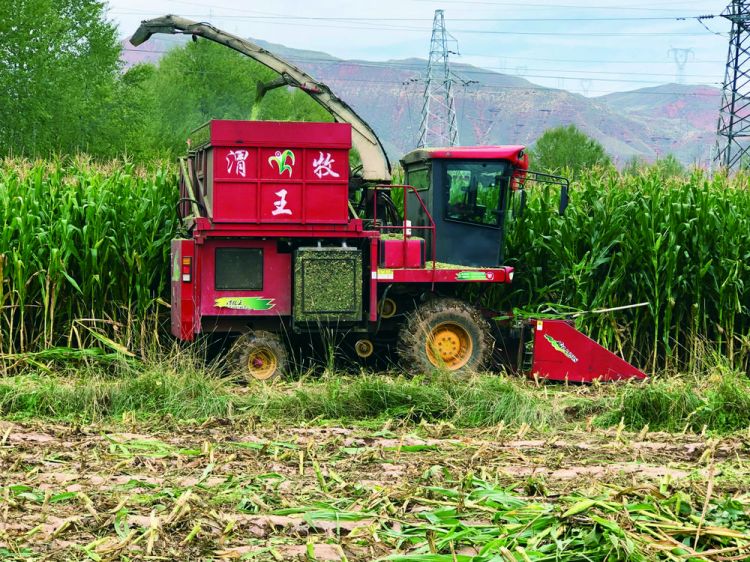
column 88, row 244
column 680, row 243
column 82, row 242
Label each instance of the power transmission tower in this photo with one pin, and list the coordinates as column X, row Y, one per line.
column 681, row 57
column 733, row 129
column 438, row 126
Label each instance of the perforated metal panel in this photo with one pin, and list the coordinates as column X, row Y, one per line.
column 327, row 285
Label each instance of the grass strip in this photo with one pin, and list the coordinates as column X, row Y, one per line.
column 182, row 388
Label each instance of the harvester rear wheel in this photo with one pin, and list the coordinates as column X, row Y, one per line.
column 259, row 357
column 445, row 334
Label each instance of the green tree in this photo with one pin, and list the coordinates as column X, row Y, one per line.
column 203, row 81
column 670, row 166
column 59, row 63
column 634, row 166
column 567, row 148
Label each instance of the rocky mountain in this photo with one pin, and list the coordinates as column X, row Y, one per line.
column 495, row 108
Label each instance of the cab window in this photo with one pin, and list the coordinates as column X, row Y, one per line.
column 239, row 269
column 476, row 191
column 419, row 178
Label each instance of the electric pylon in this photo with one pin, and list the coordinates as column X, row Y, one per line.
column 681, row 57
column 733, row 129
column 438, row 126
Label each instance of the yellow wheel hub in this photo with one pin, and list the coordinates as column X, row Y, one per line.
column 262, row 363
column 449, row 345
column 364, row 348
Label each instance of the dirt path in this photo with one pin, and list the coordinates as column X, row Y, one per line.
column 228, row 491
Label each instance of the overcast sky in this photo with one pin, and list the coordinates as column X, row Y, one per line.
column 589, row 48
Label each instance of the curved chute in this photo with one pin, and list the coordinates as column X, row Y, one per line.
column 375, row 164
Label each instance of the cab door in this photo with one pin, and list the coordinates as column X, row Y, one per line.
column 470, row 201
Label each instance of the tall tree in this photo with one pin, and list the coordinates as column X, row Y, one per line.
column 59, row 63
column 204, row 80
column 567, row 148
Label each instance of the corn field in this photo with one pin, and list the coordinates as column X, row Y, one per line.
column 84, row 251
column 680, row 244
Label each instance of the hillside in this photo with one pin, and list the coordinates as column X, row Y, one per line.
column 681, row 118
column 495, row 108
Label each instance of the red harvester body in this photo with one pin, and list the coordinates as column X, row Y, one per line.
column 281, row 239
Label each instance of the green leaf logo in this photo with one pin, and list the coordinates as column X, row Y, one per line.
column 245, row 303
column 471, row 276
column 561, row 347
column 282, row 160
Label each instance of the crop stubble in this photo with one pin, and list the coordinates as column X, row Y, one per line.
column 228, row 490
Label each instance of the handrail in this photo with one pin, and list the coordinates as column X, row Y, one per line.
column 551, row 179
column 404, row 227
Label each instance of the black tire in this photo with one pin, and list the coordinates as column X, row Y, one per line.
column 445, row 334
column 258, row 357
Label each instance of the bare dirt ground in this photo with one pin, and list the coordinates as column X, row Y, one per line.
column 235, row 490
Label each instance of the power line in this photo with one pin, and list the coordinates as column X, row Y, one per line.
column 284, row 21
column 531, row 88
column 586, row 33
column 555, row 6
column 400, row 19
column 587, row 61
column 646, row 7
column 333, row 59
column 484, row 70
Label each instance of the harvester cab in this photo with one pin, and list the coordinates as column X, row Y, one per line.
column 275, row 246
column 468, row 191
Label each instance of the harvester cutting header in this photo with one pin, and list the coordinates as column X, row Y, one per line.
column 285, row 239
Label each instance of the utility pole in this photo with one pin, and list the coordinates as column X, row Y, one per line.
column 438, row 126
column 733, row 129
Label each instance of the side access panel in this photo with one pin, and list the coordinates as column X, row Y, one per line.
column 245, row 278
column 562, row 353
column 183, row 289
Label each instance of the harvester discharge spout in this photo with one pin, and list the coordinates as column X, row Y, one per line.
column 375, row 164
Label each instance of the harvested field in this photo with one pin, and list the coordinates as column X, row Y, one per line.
column 238, row 490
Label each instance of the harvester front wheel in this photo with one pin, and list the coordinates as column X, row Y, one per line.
column 259, row 357
column 445, row 334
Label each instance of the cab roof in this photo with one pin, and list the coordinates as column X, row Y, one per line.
column 516, row 153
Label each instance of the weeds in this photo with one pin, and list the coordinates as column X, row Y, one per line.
column 478, row 401
column 662, row 404
column 182, row 388
column 186, row 392
column 92, row 394
column 718, row 402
